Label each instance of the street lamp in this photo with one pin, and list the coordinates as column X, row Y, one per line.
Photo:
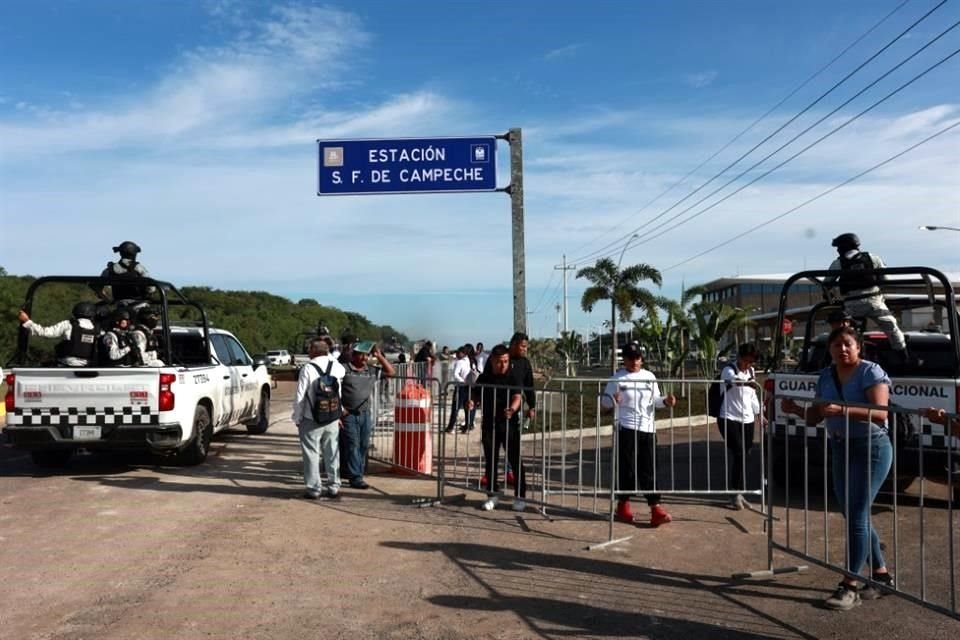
column 613, row 306
column 930, row 227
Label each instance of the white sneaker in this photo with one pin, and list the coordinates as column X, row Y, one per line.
column 519, row 504
column 490, row 503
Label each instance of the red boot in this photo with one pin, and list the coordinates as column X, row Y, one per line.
column 659, row 516
column 624, row 514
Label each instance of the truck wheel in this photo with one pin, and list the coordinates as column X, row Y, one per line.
column 51, row 459
column 263, row 415
column 198, row 448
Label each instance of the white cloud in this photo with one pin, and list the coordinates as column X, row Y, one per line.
column 213, row 90
column 701, row 79
column 567, row 51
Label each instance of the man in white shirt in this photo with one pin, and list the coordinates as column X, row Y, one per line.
column 78, row 346
column 633, row 393
column 319, row 433
column 481, row 357
column 739, row 408
column 460, row 371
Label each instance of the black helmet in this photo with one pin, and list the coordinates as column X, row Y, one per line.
column 84, row 310
column 846, row 241
column 148, row 317
column 121, row 313
column 127, row 249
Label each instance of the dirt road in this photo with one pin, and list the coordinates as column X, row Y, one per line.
column 119, row 548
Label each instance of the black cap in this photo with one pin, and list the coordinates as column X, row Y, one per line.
column 846, row 241
column 838, row 315
column 632, row 350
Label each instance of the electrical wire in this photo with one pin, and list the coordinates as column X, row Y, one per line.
column 618, row 244
column 816, row 197
column 750, row 127
column 766, row 173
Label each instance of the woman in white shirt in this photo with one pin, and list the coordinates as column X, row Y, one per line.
column 633, row 393
column 739, row 408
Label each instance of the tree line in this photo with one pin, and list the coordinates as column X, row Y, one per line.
column 259, row 319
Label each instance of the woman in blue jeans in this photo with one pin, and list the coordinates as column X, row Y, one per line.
column 860, row 451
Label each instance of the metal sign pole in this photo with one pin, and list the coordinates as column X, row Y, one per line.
column 516, row 208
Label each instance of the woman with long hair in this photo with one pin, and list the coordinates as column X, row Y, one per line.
column 861, row 454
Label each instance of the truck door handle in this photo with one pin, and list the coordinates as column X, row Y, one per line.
column 226, row 377
column 86, row 374
column 244, row 375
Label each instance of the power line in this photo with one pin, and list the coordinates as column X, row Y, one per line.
column 816, row 197
column 652, row 235
column 806, row 148
column 544, row 292
column 617, row 244
column 751, row 126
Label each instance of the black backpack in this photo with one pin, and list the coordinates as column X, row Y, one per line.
column 714, row 395
column 326, row 406
column 857, row 273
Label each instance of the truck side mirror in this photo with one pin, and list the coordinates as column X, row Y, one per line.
column 259, row 361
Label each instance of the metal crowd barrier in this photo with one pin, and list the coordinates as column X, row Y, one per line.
column 918, row 529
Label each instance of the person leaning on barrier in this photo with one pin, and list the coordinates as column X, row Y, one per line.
column 499, row 397
column 865, row 442
column 859, row 287
column 318, row 437
column 461, row 392
column 78, row 335
column 940, row 416
column 634, row 393
column 739, row 408
column 522, row 370
column 359, row 381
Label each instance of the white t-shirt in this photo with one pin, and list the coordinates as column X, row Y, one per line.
column 739, row 402
column 639, row 396
column 461, row 369
column 482, row 359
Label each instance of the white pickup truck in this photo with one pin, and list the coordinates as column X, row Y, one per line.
column 211, row 384
column 930, row 377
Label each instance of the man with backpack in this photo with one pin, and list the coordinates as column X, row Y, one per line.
column 735, row 405
column 317, row 412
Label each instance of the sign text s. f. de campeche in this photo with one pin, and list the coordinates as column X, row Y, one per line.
column 407, row 165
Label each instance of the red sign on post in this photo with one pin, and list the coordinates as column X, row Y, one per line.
column 787, row 326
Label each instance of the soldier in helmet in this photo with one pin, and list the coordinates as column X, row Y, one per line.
column 127, row 268
column 145, row 337
column 78, row 335
column 859, row 287
column 119, row 348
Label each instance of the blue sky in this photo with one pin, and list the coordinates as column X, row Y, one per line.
column 190, row 127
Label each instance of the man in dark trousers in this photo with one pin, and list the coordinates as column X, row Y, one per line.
column 522, row 370
column 498, row 394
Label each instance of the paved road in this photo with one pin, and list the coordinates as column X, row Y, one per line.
column 120, row 547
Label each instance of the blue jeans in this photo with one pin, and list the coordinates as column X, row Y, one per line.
column 317, row 439
column 354, row 441
column 876, row 455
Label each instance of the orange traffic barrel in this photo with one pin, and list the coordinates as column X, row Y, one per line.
column 412, row 443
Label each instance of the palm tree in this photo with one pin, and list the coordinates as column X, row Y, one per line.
column 608, row 282
column 712, row 322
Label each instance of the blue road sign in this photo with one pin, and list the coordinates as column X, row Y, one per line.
column 407, row 165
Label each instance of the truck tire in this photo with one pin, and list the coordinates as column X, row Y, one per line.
column 199, row 446
column 52, row 458
column 262, row 422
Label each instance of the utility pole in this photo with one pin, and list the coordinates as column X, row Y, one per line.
column 516, row 208
column 565, row 267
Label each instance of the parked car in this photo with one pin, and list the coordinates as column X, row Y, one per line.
column 279, row 358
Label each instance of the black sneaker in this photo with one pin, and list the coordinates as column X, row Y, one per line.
column 870, row 592
column 310, row 495
column 359, row 484
column 843, row 599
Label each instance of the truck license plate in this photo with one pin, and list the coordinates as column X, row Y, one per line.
column 86, row 433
